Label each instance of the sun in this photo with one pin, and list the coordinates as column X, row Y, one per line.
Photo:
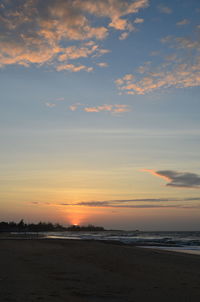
column 77, row 216
column 75, row 219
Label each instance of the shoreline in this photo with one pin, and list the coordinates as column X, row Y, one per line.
column 192, row 250
column 94, row 271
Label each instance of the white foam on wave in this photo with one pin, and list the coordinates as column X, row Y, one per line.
column 195, row 250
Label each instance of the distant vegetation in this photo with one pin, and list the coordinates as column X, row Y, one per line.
column 88, row 228
column 44, row 227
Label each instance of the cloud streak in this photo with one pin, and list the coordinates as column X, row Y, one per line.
column 184, row 203
column 139, row 203
column 178, row 179
column 110, row 108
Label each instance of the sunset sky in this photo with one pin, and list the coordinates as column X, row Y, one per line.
column 100, row 112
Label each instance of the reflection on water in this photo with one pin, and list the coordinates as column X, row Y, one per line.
column 188, row 242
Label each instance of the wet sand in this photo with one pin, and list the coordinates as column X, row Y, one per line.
column 75, row 271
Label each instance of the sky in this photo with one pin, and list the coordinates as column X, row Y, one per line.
column 99, row 119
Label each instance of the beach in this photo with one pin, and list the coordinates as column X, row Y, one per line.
column 75, row 271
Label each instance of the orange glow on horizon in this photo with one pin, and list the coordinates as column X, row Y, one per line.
column 76, row 217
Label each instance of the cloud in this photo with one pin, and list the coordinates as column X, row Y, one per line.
column 138, row 20
column 34, row 32
column 121, row 201
column 114, row 10
column 74, row 52
column 50, row 105
column 113, row 109
column 181, row 69
column 101, row 204
column 184, row 203
column 73, row 107
column 102, row 64
column 117, row 108
column 187, row 43
column 74, row 68
column 164, row 9
column 178, row 179
column 124, row 36
column 139, row 203
column 183, row 22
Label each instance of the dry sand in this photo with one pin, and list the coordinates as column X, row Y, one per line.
column 67, row 270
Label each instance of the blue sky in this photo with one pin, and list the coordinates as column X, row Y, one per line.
column 100, row 102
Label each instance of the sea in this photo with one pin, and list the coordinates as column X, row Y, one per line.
column 185, row 242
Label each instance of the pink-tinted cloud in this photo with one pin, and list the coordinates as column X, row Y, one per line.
column 74, row 68
column 117, row 108
column 113, row 109
column 102, row 64
column 91, row 109
column 179, row 70
column 84, row 51
column 34, row 33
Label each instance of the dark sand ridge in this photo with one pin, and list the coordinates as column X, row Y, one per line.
column 67, row 270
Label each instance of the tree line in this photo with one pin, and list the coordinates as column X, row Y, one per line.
column 21, row 226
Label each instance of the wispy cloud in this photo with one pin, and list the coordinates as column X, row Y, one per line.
column 102, row 64
column 117, row 108
column 85, row 50
column 139, row 203
column 74, row 107
column 178, row 179
column 138, row 20
column 34, row 33
column 74, row 68
column 184, row 203
column 113, row 109
column 164, row 9
column 179, row 70
column 50, row 105
column 124, row 36
column 183, row 22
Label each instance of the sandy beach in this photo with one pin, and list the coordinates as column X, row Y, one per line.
column 75, row 271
